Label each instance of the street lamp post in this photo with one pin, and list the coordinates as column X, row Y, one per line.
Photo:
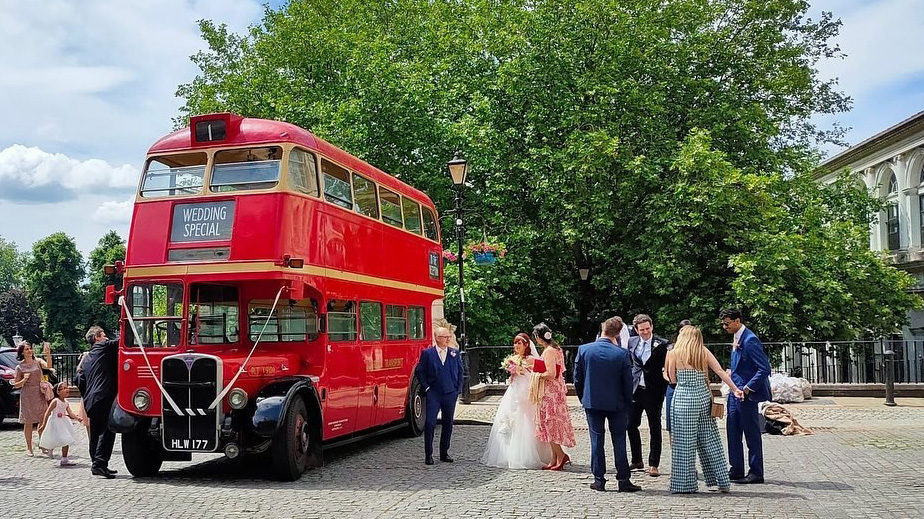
column 17, row 339
column 458, row 170
column 584, row 272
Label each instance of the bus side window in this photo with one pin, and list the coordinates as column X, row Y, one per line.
column 341, row 320
column 337, row 185
column 411, row 215
column 429, row 221
column 395, row 322
column 303, row 174
column 391, row 207
column 367, row 202
column 415, row 321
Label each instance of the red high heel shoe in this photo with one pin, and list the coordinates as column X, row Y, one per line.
column 561, row 464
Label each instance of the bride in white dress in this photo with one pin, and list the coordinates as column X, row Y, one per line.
column 512, row 443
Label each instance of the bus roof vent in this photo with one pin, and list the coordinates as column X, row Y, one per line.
column 211, row 128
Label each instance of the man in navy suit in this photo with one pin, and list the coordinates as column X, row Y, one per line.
column 750, row 370
column 603, row 382
column 440, row 374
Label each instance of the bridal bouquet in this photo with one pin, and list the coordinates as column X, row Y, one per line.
column 512, row 363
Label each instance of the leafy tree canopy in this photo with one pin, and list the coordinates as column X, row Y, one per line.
column 17, row 316
column 666, row 145
column 53, row 274
column 111, row 248
column 11, row 263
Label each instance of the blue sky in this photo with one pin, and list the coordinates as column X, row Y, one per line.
column 88, row 85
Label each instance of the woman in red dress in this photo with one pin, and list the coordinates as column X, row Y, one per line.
column 554, row 426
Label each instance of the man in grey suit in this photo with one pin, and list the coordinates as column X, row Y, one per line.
column 647, row 352
column 603, row 382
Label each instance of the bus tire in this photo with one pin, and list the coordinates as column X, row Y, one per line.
column 416, row 409
column 290, row 448
column 142, row 456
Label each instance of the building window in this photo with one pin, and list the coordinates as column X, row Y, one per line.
column 893, row 228
column 893, row 185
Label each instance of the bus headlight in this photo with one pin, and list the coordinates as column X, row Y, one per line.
column 141, row 400
column 237, row 398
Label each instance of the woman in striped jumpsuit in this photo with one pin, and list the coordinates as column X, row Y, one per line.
column 692, row 426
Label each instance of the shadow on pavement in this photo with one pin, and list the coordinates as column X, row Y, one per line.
column 400, row 456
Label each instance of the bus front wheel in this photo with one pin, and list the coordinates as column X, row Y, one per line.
column 290, row 445
column 142, row 456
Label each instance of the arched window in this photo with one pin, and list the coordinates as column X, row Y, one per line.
column 921, row 202
column 892, row 222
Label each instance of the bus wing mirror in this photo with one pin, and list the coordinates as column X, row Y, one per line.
column 112, row 295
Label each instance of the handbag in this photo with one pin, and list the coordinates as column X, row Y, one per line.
column 718, row 409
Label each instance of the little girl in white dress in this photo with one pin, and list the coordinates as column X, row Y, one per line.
column 56, row 427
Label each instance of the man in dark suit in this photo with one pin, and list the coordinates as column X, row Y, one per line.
column 648, row 352
column 440, row 374
column 98, row 386
column 603, row 382
column 750, row 370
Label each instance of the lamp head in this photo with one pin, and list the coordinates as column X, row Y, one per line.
column 458, row 170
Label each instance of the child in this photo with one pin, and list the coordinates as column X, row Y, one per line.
column 56, row 429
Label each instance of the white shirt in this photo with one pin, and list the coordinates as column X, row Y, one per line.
column 644, row 353
column 738, row 335
column 442, row 353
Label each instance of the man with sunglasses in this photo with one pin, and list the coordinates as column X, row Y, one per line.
column 750, row 370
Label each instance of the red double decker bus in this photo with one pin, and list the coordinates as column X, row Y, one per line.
column 277, row 295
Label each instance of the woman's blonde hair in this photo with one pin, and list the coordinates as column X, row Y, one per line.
column 689, row 349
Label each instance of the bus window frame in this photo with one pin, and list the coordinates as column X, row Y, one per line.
column 375, row 193
column 327, row 315
column 183, row 319
column 396, row 338
column 419, row 231
column 287, row 153
column 381, row 305
column 280, row 163
column 400, row 208
column 307, row 302
column 206, row 175
column 423, row 322
column 349, row 181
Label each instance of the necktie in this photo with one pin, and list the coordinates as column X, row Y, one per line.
column 442, row 353
column 646, row 352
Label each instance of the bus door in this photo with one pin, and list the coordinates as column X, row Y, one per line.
column 344, row 368
column 372, row 341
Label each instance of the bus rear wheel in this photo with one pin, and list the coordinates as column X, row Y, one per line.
column 290, row 445
column 142, row 455
column 416, row 410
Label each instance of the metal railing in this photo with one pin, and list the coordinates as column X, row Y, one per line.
column 65, row 366
column 841, row 362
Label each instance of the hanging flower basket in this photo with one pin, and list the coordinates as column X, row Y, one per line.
column 449, row 256
column 485, row 258
column 486, row 253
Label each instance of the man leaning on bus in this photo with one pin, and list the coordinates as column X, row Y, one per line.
column 440, row 375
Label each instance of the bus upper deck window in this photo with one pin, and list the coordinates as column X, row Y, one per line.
column 391, row 207
column 430, row 228
column 411, row 215
column 247, row 168
column 171, row 175
column 337, row 189
column 303, row 174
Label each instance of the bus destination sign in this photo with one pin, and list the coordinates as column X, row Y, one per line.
column 205, row 221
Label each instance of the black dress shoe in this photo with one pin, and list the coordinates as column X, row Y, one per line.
column 446, row 458
column 102, row 472
column 629, row 487
column 598, row 487
column 111, row 471
column 429, row 460
column 636, row 466
column 750, row 479
column 733, row 477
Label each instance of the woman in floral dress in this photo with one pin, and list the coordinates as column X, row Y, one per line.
column 554, row 426
column 28, row 377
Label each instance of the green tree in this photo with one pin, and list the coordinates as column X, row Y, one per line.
column 11, row 263
column 17, row 316
column 53, row 274
column 111, row 248
column 660, row 143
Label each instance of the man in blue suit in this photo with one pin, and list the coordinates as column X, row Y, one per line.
column 440, row 374
column 750, row 370
column 603, row 382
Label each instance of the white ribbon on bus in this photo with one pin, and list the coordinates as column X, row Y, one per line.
column 241, row 370
column 131, row 322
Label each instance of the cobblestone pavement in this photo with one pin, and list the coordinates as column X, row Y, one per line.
column 863, row 461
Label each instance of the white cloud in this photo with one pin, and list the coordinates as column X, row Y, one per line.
column 112, row 212
column 42, row 176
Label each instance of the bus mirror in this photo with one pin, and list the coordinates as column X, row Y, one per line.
column 112, row 294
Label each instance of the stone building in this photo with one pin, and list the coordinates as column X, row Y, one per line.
column 891, row 165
